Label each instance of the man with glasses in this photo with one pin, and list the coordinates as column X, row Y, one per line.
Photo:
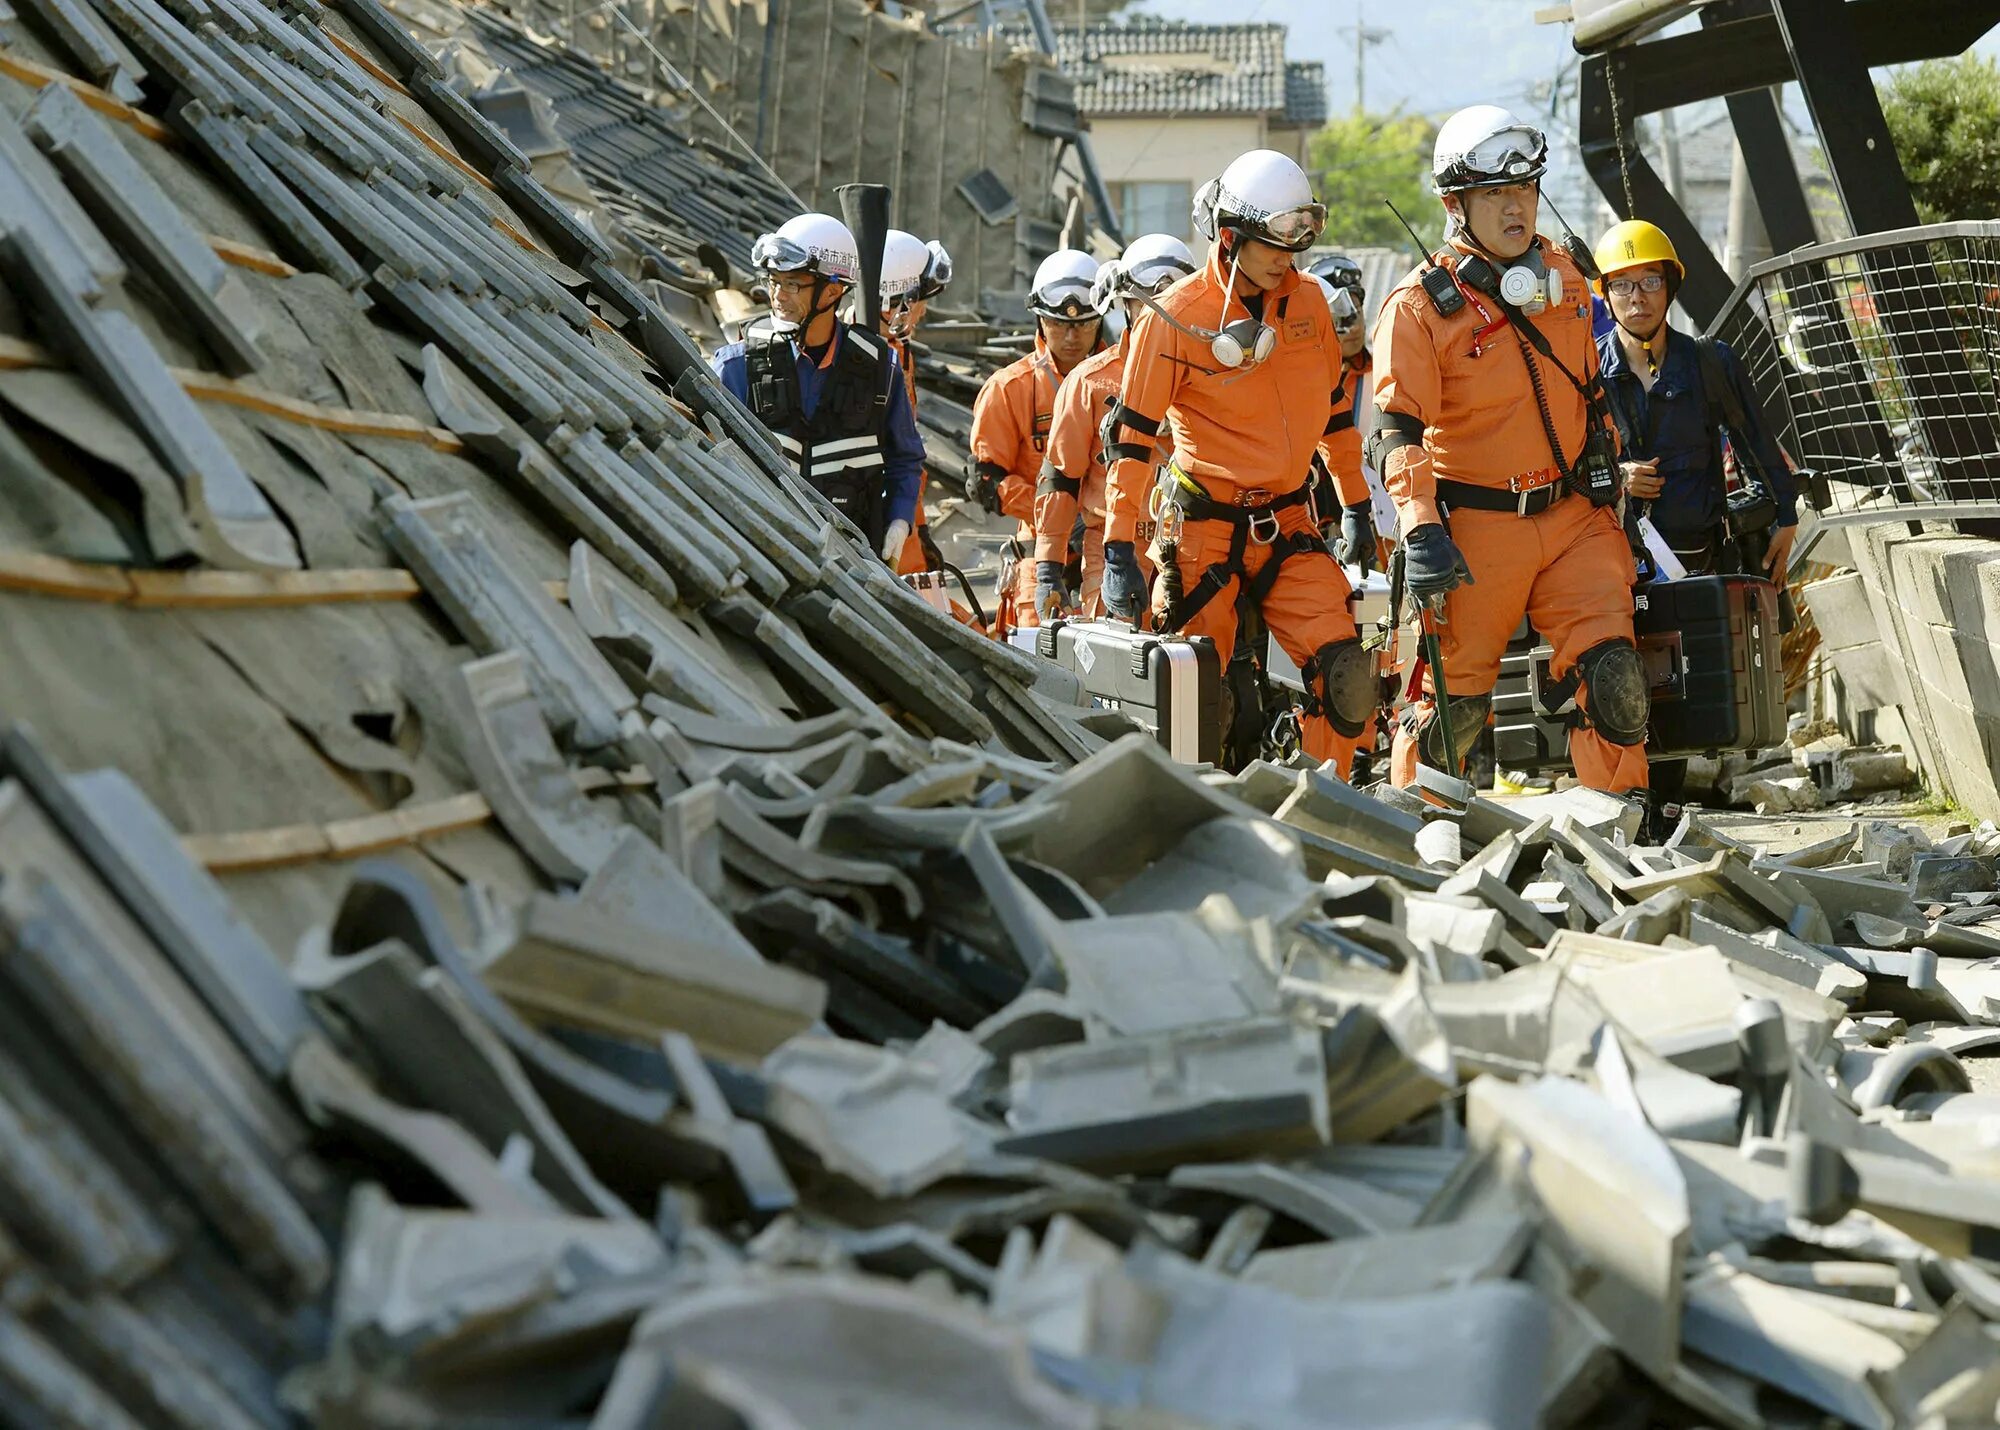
column 1659, row 382
column 1011, row 417
column 1072, row 480
column 1238, row 364
column 832, row 395
column 1495, row 444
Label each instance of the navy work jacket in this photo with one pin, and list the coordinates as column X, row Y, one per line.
column 1672, row 423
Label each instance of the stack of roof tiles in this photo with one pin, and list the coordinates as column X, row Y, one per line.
column 760, row 1001
column 1146, row 66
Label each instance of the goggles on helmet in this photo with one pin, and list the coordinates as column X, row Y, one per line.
column 1341, row 272
column 1151, row 275
column 1513, row 156
column 1065, row 301
column 1295, row 229
column 775, row 253
column 937, row 272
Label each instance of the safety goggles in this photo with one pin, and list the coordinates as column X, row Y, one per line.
column 937, row 272
column 1512, row 156
column 1294, row 229
column 1064, row 302
column 1626, row 287
column 775, row 253
column 1340, row 275
column 1151, row 276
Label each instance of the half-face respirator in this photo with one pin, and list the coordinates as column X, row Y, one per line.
column 1528, row 283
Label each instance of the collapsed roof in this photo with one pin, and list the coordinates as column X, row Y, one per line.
column 764, row 996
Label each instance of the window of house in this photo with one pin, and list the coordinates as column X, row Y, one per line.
column 1154, row 206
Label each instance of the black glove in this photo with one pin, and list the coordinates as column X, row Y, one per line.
column 1124, row 588
column 1356, row 546
column 1049, row 592
column 1432, row 565
column 983, row 488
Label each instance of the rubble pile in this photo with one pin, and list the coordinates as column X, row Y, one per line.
column 509, row 919
column 1818, row 768
column 976, row 1094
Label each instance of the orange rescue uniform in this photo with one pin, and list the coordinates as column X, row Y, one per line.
column 1568, row 568
column 1010, row 436
column 1245, row 437
column 1073, row 476
column 1340, row 446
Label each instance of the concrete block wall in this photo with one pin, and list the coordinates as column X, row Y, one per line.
column 1917, row 627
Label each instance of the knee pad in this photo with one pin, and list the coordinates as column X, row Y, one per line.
column 1468, row 720
column 1345, row 676
column 1620, row 702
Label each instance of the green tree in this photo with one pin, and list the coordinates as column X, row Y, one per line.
column 1945, row 118
column 1358, row 160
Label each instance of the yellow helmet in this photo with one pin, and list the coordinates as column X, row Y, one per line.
column 1632, row 243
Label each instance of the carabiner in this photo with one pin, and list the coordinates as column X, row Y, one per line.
column 1258, row 528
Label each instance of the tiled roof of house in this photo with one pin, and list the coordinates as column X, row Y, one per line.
column 1162, row 67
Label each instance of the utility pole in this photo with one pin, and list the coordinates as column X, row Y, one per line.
column 1363, row 38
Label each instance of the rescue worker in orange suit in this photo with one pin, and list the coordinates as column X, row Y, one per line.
column 1011, row 416
column 1238, row 364
column 1353, row 535
column 1073, row 476
column 1350, row 526
column 913, row 273
column 1495, row 444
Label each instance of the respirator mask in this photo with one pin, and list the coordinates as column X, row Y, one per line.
column 1528, row 283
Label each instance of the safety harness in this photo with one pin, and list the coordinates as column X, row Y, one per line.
column 1248, row 521
column 838, row 449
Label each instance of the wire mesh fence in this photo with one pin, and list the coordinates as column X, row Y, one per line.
column 1878, row 363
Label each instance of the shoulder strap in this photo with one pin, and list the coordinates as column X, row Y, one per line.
column 1724, row 407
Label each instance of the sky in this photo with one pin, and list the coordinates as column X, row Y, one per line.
column 1435, row 56
column 1439, row 55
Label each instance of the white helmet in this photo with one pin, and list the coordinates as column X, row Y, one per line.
column 904, row 258
column 937, row 270
column 1339, row 302
column 1264, row 196
column 1062, row 287
column 810, row 243
column 1153, row 261
column 1486, row 147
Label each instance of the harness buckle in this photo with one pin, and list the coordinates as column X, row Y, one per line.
column 1167, row 515
column 1255, row 496
column 1264, row 526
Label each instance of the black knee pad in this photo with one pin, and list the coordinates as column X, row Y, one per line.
column 1345, row 675
column 1620, row 702
column 1468, row 719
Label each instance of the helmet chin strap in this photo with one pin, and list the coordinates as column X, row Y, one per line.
column 1646, row 341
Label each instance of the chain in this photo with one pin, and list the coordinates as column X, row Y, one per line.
column 1618, row 133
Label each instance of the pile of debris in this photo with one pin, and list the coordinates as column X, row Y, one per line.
column 972, row 1094
column 1817, row 768
column 766, row 1002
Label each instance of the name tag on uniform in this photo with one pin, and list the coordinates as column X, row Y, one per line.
column 1300, row 330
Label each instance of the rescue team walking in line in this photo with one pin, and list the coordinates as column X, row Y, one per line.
column 1013, row 412
column 832, row 395
column 1244, row 440
column 1497, row 446
column 1238, row 364
column 1073, row 471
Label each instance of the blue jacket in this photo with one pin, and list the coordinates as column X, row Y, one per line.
column 1678, row 433
column 902, row 448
